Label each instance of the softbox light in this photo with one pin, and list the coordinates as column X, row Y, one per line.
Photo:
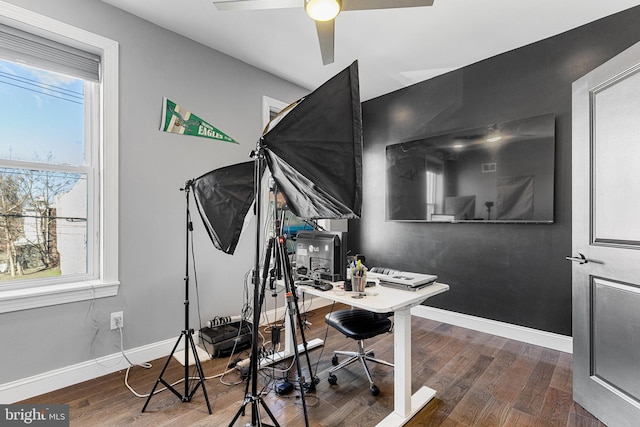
column 223, row 197
column 314, row 152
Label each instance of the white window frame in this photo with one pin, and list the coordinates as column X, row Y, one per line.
column 271, row 105
column 106, row 283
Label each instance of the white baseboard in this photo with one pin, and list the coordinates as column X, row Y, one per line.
column 519, row 333
column 36, row 385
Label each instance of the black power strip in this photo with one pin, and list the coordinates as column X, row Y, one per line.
column 283, row 388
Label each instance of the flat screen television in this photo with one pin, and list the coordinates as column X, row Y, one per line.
column 502, row 172
column 321, row 255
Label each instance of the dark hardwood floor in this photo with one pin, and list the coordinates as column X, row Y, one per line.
column 480, row 379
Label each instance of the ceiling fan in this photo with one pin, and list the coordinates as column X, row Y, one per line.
column 321, row 11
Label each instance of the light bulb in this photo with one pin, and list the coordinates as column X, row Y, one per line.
column 322, row 10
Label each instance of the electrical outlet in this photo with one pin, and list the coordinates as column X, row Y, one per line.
column 117, row 320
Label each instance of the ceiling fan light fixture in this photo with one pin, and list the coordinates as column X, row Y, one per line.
column 322, row 10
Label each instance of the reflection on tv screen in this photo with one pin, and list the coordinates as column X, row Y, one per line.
column 503, row 172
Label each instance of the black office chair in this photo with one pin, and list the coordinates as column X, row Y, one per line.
column 359, row 325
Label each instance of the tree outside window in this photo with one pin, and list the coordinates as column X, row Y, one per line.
column 44, row 175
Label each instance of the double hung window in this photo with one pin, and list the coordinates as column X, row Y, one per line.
column 58, row 163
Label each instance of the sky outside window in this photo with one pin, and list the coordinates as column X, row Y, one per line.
column 41, row 115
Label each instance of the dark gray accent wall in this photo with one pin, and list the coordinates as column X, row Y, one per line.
column 514, row 273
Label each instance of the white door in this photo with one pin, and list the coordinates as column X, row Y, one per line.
column 606, row 232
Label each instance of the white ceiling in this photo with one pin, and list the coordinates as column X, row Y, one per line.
column 394, row 47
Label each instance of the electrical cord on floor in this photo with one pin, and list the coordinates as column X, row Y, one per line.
column 270, row 378
column 230, row 364
column 326, row 333
column 273, row 369
column 147, row 365
column 307, row 396
column 246, row 314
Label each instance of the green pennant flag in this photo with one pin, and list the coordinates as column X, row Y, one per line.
column 178, row 120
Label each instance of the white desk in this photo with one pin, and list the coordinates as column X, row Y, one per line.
column 380, row 299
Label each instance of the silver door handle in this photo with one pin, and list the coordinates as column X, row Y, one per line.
column 580, row 259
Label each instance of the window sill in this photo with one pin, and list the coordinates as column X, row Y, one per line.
column 44, row 296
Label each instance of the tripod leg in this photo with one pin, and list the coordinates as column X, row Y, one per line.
column 200, row 372
column 246, row 393
column 312, row 383
column 292, row 309
column 268, row 411
column 159, row 380
column 256, row 419
column 287, row 269
column 253, row 397
column 241, row 411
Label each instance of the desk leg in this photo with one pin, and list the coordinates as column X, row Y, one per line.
column 405, row 405
column 402, row 362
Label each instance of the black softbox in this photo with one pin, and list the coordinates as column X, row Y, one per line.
column 313, row 150
column 223, row 197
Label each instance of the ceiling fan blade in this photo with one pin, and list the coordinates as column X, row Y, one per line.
column 382, row 4
column 326, row 37
column 256, row 4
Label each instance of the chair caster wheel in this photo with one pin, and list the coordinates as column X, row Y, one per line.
column 333, row 380
column 374, row 390
column 334, row 360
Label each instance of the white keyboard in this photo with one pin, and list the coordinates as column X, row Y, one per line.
column 402, row 279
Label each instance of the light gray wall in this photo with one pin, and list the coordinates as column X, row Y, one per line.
column 153, row 166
